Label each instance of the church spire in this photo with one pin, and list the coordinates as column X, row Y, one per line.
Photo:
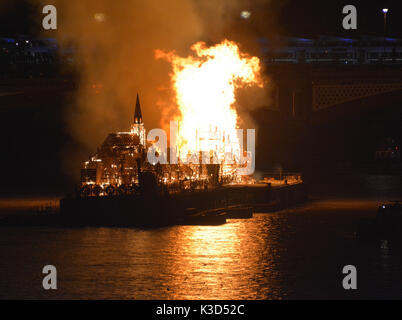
column 137, row 127
column 137, row 112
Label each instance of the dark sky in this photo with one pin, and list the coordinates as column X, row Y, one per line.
column 16, row 16
column 325, row 17
column 296, row 17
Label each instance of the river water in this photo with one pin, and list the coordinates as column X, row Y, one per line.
column 292, row 254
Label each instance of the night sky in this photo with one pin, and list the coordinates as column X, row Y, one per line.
column 325, row 17
column 291, row 17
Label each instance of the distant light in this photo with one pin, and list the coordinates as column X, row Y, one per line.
column 385, row 10
column 99, row 17
column 304, row 40
column 383, row 207
column 245, row 14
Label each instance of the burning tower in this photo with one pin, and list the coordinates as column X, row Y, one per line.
column 137, row 128
column 116, row 165
column 208, row 144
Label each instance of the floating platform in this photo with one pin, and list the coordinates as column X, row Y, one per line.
column 200, row 207
column 211, row 206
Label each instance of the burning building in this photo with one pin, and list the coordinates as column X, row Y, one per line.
column 116, row 165
column 121, row 162
column 209, row 149
column 133, row 181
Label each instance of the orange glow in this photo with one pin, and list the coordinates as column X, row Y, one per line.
column 205, row 84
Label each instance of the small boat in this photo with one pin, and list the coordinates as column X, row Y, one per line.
column 389, row 213
column 389, row 219
column 387, row 224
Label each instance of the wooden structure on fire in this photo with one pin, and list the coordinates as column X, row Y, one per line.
column 120, row 165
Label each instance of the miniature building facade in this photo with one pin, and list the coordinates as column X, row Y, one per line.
column 117, row 162
column 120, row 167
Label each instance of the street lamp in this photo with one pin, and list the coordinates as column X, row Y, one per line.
column 385, row 11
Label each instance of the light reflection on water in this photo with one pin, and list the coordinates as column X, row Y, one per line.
column 292, row 254
column 220, row 262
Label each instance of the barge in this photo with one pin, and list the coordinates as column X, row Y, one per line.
column 200, row 207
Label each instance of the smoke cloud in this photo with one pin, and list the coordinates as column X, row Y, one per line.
column 114, row 44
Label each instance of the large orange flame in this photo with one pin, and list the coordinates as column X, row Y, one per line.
column 205, row 85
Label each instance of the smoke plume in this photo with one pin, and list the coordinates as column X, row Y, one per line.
column 114, row 44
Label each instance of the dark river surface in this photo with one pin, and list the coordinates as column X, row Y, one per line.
column 292, row 254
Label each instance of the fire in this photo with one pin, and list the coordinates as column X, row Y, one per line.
column 207, row 140
column 205, row 86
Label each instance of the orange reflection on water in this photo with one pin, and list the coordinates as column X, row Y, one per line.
column 219, row 262
column 238, row 260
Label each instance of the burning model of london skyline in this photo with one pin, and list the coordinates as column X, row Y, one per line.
column 208, row 144
column 205, row 84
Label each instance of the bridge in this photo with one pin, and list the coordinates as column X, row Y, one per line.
column 319, row 75
column 315, row 75
column 302, row 91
